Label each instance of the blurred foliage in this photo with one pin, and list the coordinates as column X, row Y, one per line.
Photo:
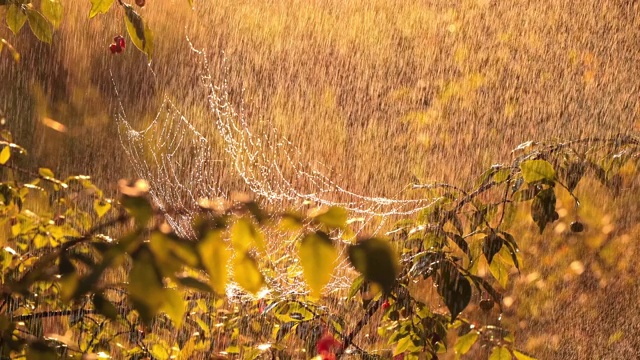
column 45, row 16
column 84, row 275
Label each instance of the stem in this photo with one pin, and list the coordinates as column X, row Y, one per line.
column 348, row 339
column 48, row 314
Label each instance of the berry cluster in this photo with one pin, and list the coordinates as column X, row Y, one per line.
column 118, row 45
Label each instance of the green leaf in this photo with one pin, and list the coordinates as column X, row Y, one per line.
column 215, row 256
column 244, row 235
column 159, row 352
column 52, row 10
column 462, row 244
column 512, row 248
column 500, row 353
column 99, row 7
column 465, row 342
column 5, row 154
column 317, row 257
column 146, row 290
column 291, row 311
column 454, row 289
column 491, row 245
column 104, row 306
column 376, row 260
column 536, row 170
column 334, row 217
column 355, row 286
column 402, row 345
column 575, row 171
column 39, row 350
column 174, row 306
column 16, row 18
column 247, row 274
column 521, row 356
column 139, row 31
column 500, row 271
column 194, row 283
column 46, row 173
column 101, row 207
column 139, row 207
column 543, row 208
column 39, row 26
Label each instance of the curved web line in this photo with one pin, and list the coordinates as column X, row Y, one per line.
column 175, row 158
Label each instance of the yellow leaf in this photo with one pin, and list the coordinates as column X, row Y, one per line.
column 174, row 306
column 99, row 7
column 317, row 257
column 15, row 18
column 139, row 31
column 247, row 274
column 215, row 256
column 244, row 235
column 5, row 154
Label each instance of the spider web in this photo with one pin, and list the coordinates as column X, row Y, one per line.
column 177, row 159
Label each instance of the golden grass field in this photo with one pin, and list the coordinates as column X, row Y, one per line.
column 383, row 94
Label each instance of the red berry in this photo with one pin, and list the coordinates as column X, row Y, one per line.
column 119, row 50
column 119, row 40
column 385, row 305
column 114, row 48
column 140, row 3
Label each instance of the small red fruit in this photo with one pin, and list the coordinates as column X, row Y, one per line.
column 385, row 305
column 140, row 3
column 119, row 40
column 115, row 48
column 327, row 347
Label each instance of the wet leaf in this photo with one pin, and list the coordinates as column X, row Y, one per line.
column 46, row 173
column 215, row 256
column 465, row 342
column 536, row 170
column 139, row 207
column 101, row 207
column 16, row 18
column 104, row 306
column 462, row 244
column 317, row 257
column 512, row 247
column 39, row 26
column 244, row 235
column 247, row 274
column 146, row 290
column 5, row 155
column 194, row 283
column 334, row 217
column 52, row 10
column 521, row 356
column 39, row 350
column 174, row 306
column 99, row 7
column 500, row 353
column 139, row 31
column 355, row 286
column 491, row 245
column 500, row 271
column 575, row 171
column 543, row 208
column 376, row 260
column 454, row 289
